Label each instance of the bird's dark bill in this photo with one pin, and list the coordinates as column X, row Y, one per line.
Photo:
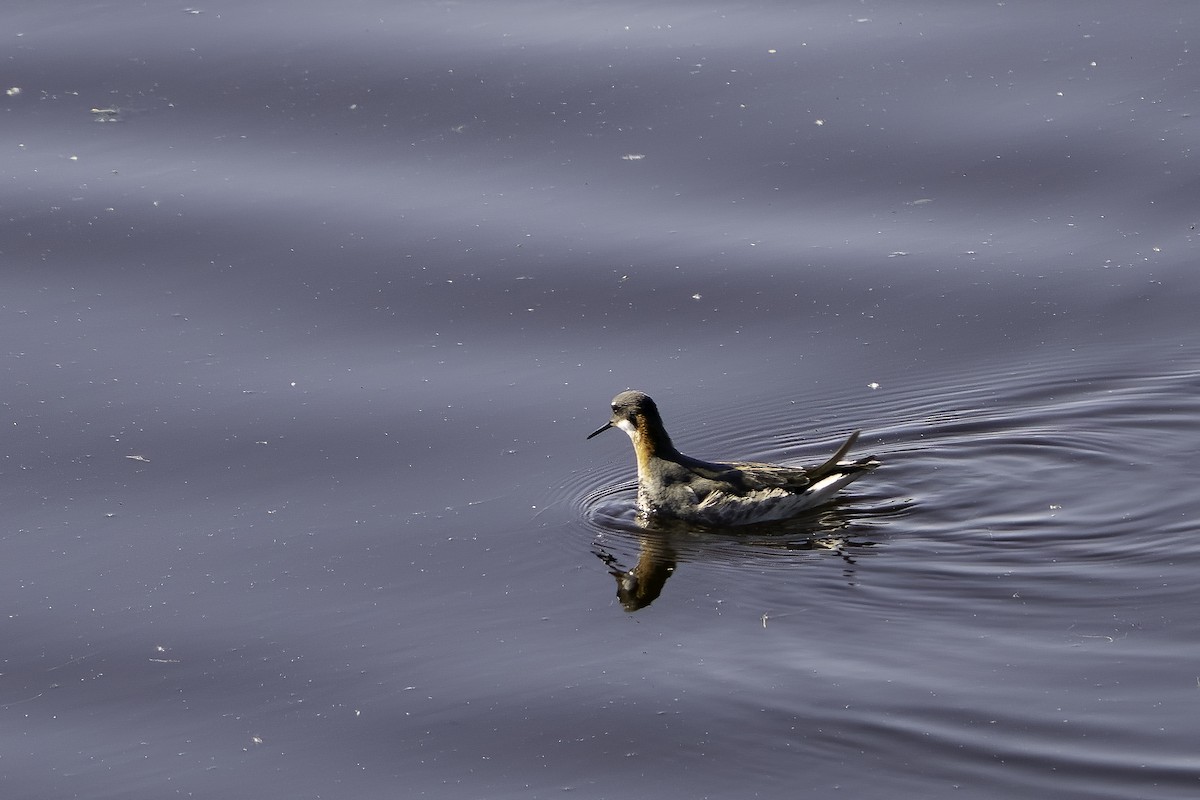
column 600, row 430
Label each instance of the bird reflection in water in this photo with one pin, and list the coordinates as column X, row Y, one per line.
column 663, row 544
column 641, row 586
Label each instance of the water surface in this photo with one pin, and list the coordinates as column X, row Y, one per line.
column 307, row 311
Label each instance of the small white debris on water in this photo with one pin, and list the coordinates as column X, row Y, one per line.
column 138, row 458
column 13, row 92
column 633, row 156
column 158, row 648
column 872, row 385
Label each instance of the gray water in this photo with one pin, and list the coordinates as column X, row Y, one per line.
column 307, row 308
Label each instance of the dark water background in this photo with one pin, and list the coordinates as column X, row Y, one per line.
column 306, row 309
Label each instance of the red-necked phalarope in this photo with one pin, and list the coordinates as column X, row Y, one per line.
column 671, row 484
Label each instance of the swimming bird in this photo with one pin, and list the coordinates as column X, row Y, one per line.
column 673, row 485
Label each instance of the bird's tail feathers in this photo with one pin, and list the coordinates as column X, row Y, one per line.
column 817, row 473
